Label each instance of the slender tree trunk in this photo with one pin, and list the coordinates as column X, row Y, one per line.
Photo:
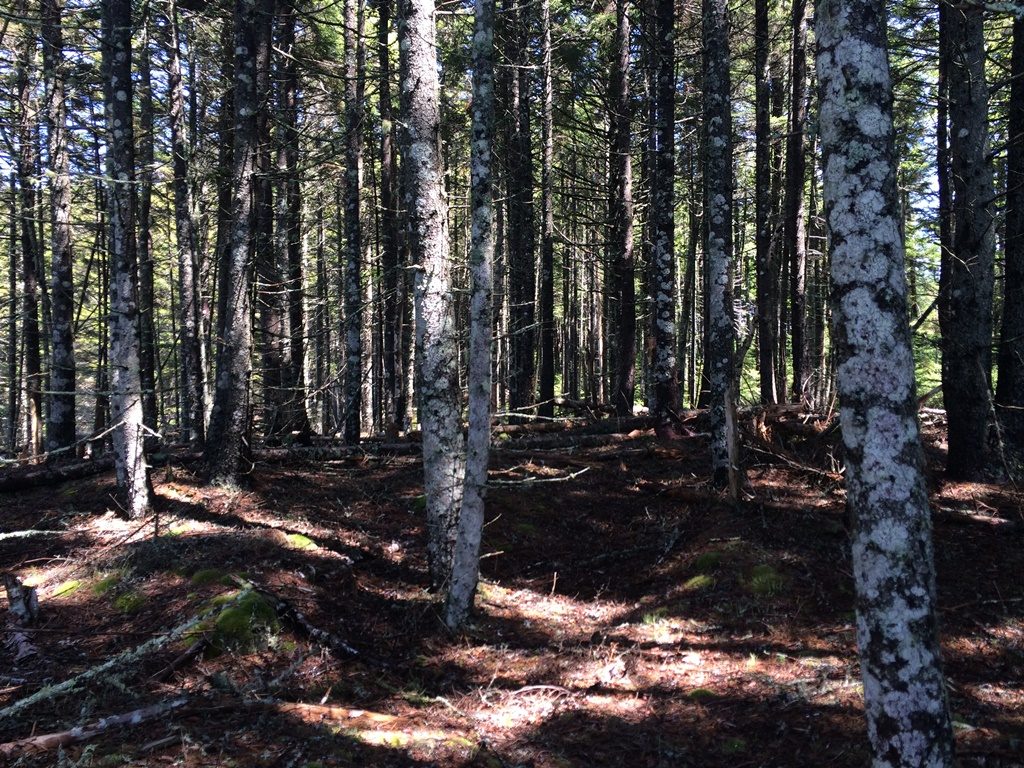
column 546, row 293
column 765, row 265
column 466, row 556
column 193, row 424
column 229, row 422
column 436, row 337
column 620, row 216
column 147, row 335
column 904, row 692
column 718, row 252
column 30, row 259
column 60, row 427
column 1010, row 391
column 664, row 376
column 13, row 374
column 967, row 320
column 795, row 221
column 125, row 381
column 353, row 230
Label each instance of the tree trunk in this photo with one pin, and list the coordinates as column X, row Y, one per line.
column 466, row 556
column 353, row 230
column 1010, row 390
column 795, row 223
column 13, row 374
column 718, row 182
column 546, row 293
column 125, row 382
column 967, row 320
column 30, row 259
column 229, row 422
column 147, row 335
column 664, row 376
column 436, row 338
column 60, row 426
column 193, row 400
column 904, row 693
column 620, row 216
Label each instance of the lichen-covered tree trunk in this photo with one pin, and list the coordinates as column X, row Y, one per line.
column 193, row 401
column 904, row 694
column 229, row 421
column 1010, row 390
column 125, row 382
column 353, row 230
column 967, row 288
column 466, row 556
column 794, row 227
column 436, row 335
column 718, row 251
column 60, row 424
column 31, row 366
column 664, row 377
column 620, row 216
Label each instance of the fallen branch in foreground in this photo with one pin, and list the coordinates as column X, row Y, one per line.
column 124, row 658
column 50, row 741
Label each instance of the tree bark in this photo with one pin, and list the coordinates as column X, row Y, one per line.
column 353, row 230
column 967, row 320
column 664, row 375
column 229, row 422
column 145, row 160
column 718, row 182
column 620, row 216
column 60, row 425
column 1010, row 390
column 904, row 693
column 193, row 390
column 125, row 382
column 546, row 292
column 436, row 335
column 466, row 556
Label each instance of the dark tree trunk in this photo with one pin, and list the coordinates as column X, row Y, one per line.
column 1010, row 390
column 60, row 427
column 620, row 216
column 664, row 377
column 795, row 223
column 229, row 422
column 904, row 692
column 30, row 258
column 147, row 335
column 546, row 292
column 968, row 286
column 353, row 230
column 193, row 390
column 125, row 381
column 13, row 374
column 765, row 263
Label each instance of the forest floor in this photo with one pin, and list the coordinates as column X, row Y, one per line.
column 627, row 615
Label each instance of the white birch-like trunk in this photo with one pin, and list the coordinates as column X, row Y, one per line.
column 125, row 381
column 466, row 558
column 719, row 201
column 904, row 695
column 436, row 334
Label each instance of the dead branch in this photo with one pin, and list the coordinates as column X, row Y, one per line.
column 24, row 609
column 48, row 742
column 122, row 659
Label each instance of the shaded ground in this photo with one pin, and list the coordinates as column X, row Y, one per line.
column 627, row 616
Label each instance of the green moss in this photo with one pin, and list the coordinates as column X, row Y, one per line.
column 242, row 626
column 655, row 616
column 707, row 561
column 68, row 588
column 765, row 580
column 129, row 602
column 107, row 583
column 419, row 504
column 698, row 583
column 701, row 694
column 734, row 745
column 207, row 576
column 298, row 541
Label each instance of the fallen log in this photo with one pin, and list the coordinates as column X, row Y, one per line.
column 48, row 742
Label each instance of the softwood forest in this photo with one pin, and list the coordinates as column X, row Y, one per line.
column 511, row 383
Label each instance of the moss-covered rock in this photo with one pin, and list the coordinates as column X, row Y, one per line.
column 766, row 581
